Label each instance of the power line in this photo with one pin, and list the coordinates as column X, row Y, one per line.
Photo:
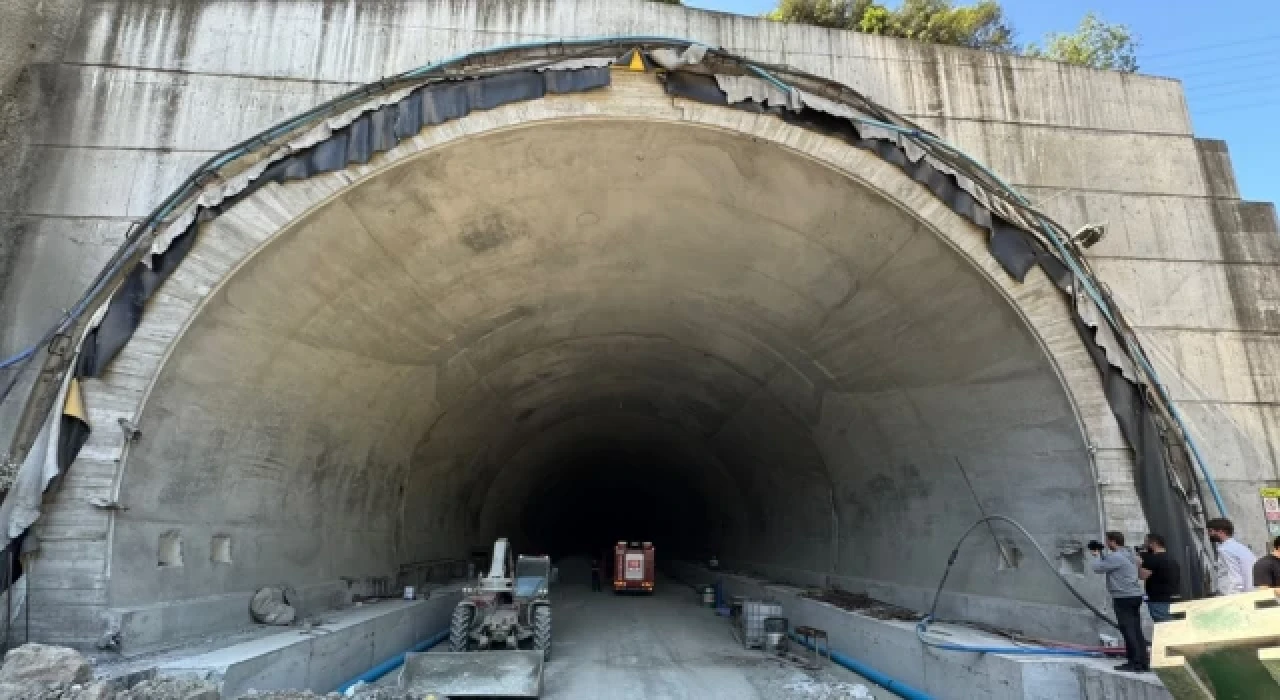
column 1273, row 51
column 1254, row 80
column 1221, row 70
column 1223, row 100
column 1238, row 90
column 1233, row 108
column 1210, row 47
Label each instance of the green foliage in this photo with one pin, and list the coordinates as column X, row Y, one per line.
column 1095, row 44
column 980, row 25
column 836, row 14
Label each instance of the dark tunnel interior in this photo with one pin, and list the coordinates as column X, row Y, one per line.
column 598, row 498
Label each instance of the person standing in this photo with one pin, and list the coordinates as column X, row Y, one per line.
column 1235, row 561
column 1266, row 571
column 1162, row 576
column 1121, row 567
column 595, row 574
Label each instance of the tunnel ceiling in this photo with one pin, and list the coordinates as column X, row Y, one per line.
column 436, row 354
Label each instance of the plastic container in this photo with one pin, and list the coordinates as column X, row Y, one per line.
column 410, row 592
column 709, row 596
column 754, row 613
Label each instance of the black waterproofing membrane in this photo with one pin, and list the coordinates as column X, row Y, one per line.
column 371, row 133
column 1017, row 250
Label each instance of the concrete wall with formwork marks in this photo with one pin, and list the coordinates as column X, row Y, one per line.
column 395, row 362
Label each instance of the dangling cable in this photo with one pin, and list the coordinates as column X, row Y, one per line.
column 923, row 626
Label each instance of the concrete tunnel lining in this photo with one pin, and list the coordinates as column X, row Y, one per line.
column 292, row 380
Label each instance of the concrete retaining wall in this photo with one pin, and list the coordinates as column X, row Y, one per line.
column 892, row 647
column 144, row 628
column 349, row 643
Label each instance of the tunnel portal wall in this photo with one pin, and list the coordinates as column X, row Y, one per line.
column 127, row 116
column 834, row 340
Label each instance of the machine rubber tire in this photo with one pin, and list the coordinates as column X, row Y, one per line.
column 542, row 630
column 460, row 627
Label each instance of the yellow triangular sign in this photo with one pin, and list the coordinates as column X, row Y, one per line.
column 637, row 63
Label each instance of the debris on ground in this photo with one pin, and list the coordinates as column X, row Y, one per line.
column 808, row 688
column 271, row 605
column 364, row 692
column 40, row 672
column 46, row 664
column 811, row 685
column 864, row 604
column 171, row 689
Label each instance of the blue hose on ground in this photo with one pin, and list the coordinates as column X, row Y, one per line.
column 890, row 684
column 394, row 662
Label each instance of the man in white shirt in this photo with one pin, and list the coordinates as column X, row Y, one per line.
column 1235, row 561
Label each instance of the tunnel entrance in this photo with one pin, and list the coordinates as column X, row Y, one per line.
column 575, row 332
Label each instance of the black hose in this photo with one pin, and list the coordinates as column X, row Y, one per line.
column 955, row 553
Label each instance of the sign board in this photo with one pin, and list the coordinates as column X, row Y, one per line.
column 1271, row 510
column 635, row 567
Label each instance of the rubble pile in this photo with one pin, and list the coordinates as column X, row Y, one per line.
column 41, row 672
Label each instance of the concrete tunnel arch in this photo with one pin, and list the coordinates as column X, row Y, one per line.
column 375, row 366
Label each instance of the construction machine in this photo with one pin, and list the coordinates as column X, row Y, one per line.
column 507, row 616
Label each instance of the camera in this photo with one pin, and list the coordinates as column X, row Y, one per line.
column 1095, row 546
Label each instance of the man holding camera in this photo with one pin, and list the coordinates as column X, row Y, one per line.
column 1121, row 567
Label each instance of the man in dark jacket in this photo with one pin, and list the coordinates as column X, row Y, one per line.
column 1162, row 576
column 1266, row 571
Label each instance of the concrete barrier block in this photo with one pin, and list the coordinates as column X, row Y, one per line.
column 277, row 670
column 393, row 634
column 892, row 648
column 339, row 657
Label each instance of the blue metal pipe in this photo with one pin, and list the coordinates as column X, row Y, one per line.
column 394, row 662
column 889, row 683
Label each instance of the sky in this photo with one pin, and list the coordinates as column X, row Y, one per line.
column 1226, row 53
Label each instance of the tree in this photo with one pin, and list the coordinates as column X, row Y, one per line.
column 979, row 26
column 1095, row 44
column 835, row 14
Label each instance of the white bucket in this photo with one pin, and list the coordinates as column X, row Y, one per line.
column 775, row 641
column 409, row 593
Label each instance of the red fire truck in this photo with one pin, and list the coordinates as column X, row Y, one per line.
column 633, row 567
